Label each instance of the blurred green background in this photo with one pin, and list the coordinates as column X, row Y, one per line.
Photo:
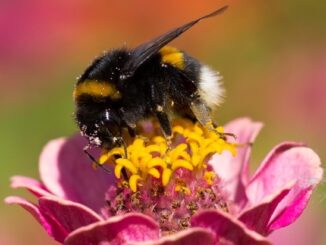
column 272, row 55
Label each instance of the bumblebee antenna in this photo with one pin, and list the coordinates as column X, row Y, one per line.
column 121, row 141
column 94, row 160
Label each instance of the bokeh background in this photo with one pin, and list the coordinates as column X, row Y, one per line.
column 272, row 55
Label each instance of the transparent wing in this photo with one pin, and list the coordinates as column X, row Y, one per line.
column 144, row 51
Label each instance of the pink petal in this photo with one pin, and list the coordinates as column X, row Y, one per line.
column 257, row 218
column 191, row 236
column 227, row 229
column 234, row 170
column 287, row 163
column 116, row 230
column 30, row 184
column 286, row 215
column 68, row 214
column 308, row 229
column 52, row 228
column 67, row 172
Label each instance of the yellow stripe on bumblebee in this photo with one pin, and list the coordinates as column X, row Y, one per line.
column 97, row 89
column 172, row 56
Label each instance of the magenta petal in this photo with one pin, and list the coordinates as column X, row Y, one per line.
column 227, row 229
column 68, row 214
column 287, row 163
column 116, row 230
column 234, row 170
column 308, row 229
column 257, row 218
column 67, row 172
column 191, row 236
column 52, row 228
column 292, row 212
column 30, row 184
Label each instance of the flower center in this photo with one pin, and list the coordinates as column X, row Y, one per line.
column 169, row 182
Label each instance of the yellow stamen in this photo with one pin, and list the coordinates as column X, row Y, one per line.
column 220, row 129
column 127, row 164
column 184, row 155
column 209, row 177
column 178, row 129
column 133, row 181
column 195, row 159
column 153, row 158
column 103, row 159
column 166, row 176
column 198, row 130
column 156, row 162
column 153, row 148
column 117, row 171
column 183, row 189
column 123, row 184
column 159, row 139
column 195, row 137
column 154, row 172
column 115, row 151
column 182, row 164
column 178, row 150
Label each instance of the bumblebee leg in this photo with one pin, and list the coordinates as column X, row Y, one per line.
column 164, row 121
column 129, row 119
column 122, row 142
column 158, row 103
column 202, row 113
column 165, row 124
column 94, row 160
column 132, row 132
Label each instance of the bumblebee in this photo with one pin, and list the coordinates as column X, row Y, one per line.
column 125, row 86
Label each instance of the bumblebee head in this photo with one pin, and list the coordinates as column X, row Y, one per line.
column 97, row 95
column 101, row 126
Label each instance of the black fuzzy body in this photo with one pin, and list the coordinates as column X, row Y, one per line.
column 154, row 86
column 152, row 80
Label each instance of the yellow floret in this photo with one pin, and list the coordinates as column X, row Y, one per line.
column 183, row 189
column 133, row 181
column 209, row 177
column 155, row 159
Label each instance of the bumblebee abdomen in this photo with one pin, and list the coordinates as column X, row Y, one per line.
column 210, row 86
column 208, row 81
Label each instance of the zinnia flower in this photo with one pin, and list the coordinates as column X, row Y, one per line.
column 195, row 191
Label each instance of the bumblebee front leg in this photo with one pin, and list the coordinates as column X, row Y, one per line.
column 134, row 133
column 158, row 105
column 164, row 121
column 165, row 124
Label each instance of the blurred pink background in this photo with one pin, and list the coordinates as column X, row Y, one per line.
column 272, row 55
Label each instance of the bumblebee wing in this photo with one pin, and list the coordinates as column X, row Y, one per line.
column 143, row 52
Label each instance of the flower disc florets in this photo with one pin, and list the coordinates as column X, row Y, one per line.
column 169, row 181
